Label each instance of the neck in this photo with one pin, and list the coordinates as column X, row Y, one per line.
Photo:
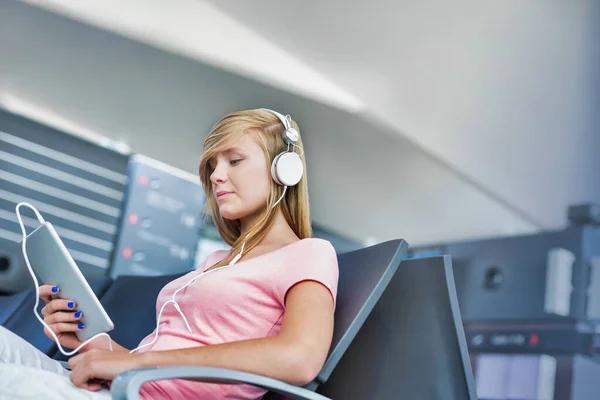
column 280, row 230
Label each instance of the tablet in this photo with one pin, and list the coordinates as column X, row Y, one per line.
column 53, row 265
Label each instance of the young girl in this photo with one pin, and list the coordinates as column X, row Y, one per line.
column 266, row 306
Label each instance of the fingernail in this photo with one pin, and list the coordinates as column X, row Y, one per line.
column 77, row 315
column 70, row 304
column 55, row 289
column 81, row 326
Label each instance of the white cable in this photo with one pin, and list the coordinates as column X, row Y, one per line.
column 283, row 194
column 237, row 258
column 300, row 147
column 37, row 294
column 37, row 289
column 158, row 326
column 177, row 307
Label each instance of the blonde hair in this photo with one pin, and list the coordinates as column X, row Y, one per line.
column 294, row 205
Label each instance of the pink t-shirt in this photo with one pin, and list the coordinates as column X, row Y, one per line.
column 243, row 301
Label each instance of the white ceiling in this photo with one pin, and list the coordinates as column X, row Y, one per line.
column 200, row 31
column 505, row 92
column 419, row 132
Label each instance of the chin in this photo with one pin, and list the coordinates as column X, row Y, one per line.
column 230, row 213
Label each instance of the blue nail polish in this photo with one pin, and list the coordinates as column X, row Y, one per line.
column 55, row 289
column 70, row 304
column 77, row 314
column 81, row 326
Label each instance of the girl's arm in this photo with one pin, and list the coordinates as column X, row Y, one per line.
column 295, row 356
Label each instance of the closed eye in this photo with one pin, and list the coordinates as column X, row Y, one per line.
column 212, row 164
column 235, row 162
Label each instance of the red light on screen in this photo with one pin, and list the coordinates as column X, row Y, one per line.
column 534, row 339
column 133, row 218
column 127, row 252
column 143, row 180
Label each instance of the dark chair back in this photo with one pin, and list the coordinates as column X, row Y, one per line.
column 412, row 344
column 364, row 275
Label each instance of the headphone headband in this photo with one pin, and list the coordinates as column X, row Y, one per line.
column 290, row 135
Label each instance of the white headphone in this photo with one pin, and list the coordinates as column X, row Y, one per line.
column 287, row 168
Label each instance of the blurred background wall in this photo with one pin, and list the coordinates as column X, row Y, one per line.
column 425, row 121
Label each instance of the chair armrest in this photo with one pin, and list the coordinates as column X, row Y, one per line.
column 126, row 386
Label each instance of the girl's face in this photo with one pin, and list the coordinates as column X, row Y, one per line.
column 241, row 179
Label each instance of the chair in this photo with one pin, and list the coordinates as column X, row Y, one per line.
column 14, row 277
column 364, row 275
column 412, row 345
column 9, row 304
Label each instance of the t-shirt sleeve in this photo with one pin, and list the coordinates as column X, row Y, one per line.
column 317, row 262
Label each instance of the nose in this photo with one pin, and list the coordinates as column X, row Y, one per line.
column 219, row 175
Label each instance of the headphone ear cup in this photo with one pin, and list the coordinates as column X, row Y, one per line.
column 274, row 169
column 287, row 169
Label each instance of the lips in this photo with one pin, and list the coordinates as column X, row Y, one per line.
column 222, row 193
